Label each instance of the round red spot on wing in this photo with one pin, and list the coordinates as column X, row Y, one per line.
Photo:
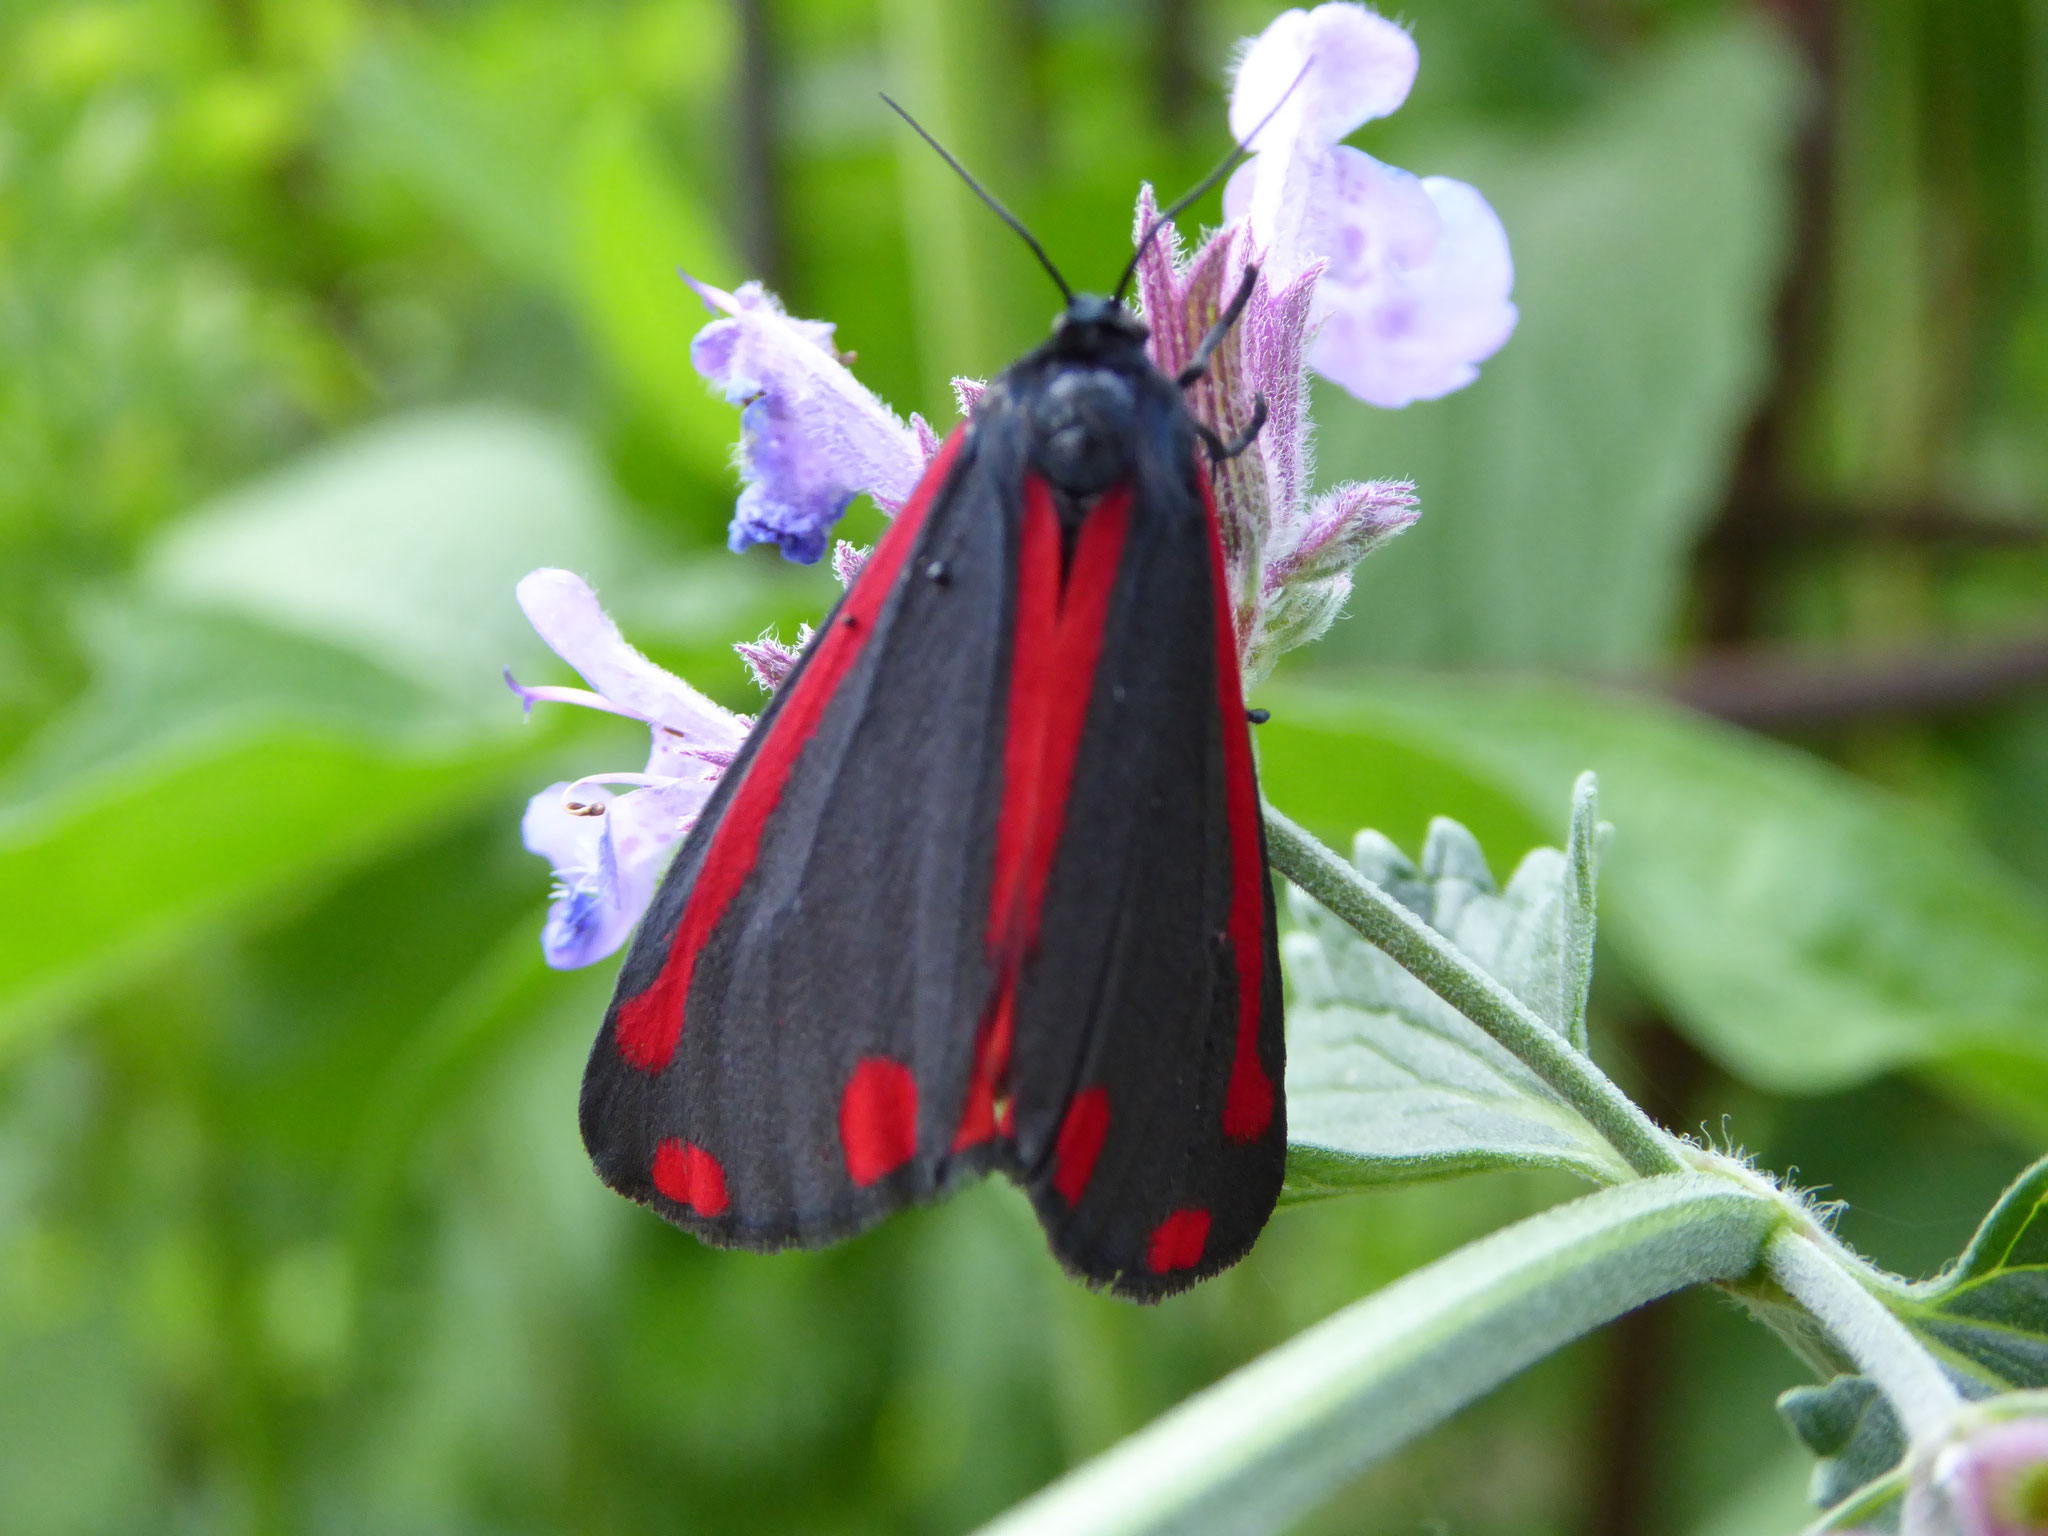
column 878, row 1119
column 690, row 1176
column 1178, row 1241
column 1080, row 1143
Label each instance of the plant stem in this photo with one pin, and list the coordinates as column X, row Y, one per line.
column 1865, row 1328
column 1265, row 1444
column 1432, row 960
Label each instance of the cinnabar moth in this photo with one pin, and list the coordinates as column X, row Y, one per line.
column 986, row 888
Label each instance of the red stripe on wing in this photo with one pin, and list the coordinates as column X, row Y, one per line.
column 1054, row 649
column 650, row 1024
column 1248, row 1101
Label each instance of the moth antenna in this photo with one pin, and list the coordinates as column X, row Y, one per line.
column 1230, row 162
column 986, row 196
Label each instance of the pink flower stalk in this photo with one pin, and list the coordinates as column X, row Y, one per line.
column 1289, row 556
column 769, row 659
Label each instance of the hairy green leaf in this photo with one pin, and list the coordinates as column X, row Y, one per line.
column 1386, row 1082
column 1262, row 1446
column 1850, row 1428
column 1807, row 930
column 1986, row 1320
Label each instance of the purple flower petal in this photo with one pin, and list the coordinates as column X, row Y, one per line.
column 1289, row 561
column 1996, row 1481
column 1399, row 331
column 585, row 921
column 608, row 863
column 1414, row 294
column 608, row 850
column 1361, row 66
column 811, row 437
column 581, row 697
column 928, row 443
column 565, row 612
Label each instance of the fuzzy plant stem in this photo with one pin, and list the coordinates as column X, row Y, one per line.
column 1865, row 1328
column 1432, row 960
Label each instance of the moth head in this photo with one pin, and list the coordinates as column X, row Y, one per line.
column 1091, row 326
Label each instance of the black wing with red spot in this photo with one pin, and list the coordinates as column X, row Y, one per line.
column 1148, row 1047
column 985, row 889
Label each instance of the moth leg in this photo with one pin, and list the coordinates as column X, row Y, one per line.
column 1220, row 451
column 1198, row 365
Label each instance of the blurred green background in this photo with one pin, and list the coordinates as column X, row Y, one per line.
column 321, row 321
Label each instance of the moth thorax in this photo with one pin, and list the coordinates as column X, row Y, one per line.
column 1081, row 424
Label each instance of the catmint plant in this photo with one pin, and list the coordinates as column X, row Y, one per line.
column 608, row 850
column 1438, row 1022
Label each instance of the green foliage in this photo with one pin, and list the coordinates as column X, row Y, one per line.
column 1804, row 929
column 401, row 543
column 1850, row 1429
column 306, row 678
column 1385, row 1081
column 1645, row 242
column 635, row 233
column 1986, row 1319
column 1272, row 1440
column 325, row 319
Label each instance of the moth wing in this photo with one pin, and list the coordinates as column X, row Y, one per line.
column 784, row 1058
column 1149, row 1051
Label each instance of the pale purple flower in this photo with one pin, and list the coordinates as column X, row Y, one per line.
column 1288, row 557
column 1416, row 272
column 1990, row 1480
column 607, row 849
column 811, row 436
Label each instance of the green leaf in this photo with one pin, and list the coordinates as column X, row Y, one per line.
column 1986, row 1320
column 216, row 766
column 1388, row 1083
column 1589, row 836
column 1851, row 1428
column 635, row 228
column 1563, row 491
column 308, row 675
column 1267, row 1443
column 1805, row 929
column 408, row 111
column 404, row 543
